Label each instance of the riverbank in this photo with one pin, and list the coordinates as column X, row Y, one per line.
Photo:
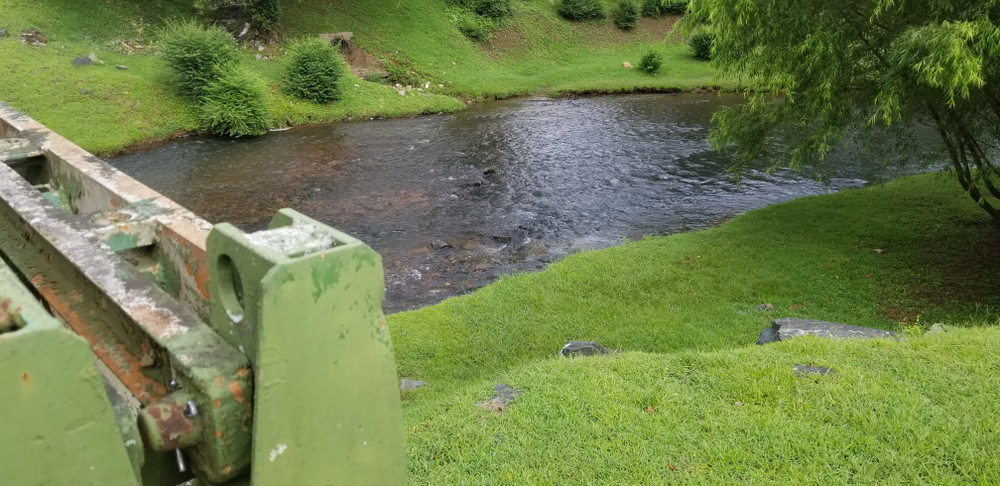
column 126, row 99
column 691, row 399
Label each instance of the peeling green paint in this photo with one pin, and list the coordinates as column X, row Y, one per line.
column 122, row 241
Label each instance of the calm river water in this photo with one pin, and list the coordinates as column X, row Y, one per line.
column 505, row 185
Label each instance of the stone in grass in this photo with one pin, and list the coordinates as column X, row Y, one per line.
column 120, row 67
column 789, row 327
column 407, row 385
column 505, row 394
column 3, row 33
column 765, row 307
column 584, row 348
column 82, row 61
column 803, row 371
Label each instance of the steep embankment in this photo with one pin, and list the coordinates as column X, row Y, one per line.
column 692, row 400
column 106, row 109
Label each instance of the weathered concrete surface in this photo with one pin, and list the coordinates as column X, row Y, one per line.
column 89, row 186
column 790, row 327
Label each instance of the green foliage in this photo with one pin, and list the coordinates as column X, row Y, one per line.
column 195, row 54
column 651, row 62
column 315, row 70
column 263, row 14
column 701, row 45
column 582, row 9
column 659, row 8
column 475, row 27
column 872, row 74
column 235, row 104
column 627, row 15
column 493, row 9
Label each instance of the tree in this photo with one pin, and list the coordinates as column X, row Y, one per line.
column 824, row 73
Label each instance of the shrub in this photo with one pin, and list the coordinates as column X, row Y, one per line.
column 235, row 104
column 627, row 14
column 651, row 62
column 659, row 8
column 494, row 9
column 314, row 71
column 475, row 27
column 701, row 44
column 582, row 9
column 195, row 53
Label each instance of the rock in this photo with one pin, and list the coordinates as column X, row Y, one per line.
column 120, row 67
column 407, row 385
column 439, row 244
column 789, row 327
column 3, row 33
column 34, row 37
column 338, row 37
column 803, row 371
column 584, row 348
column 626, row 64
column 937, row 328
column 505, row 394
column 502, row 238
column 768, row 335
column 82, row 61
column 489, row 170
column 93, row 58
column 765, row 307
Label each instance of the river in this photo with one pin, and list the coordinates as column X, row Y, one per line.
column 453, row 201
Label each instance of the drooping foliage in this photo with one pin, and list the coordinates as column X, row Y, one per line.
column 315, row 70
column 235, row 104
column 195, row 54
column 627, row 14
column 871, row 72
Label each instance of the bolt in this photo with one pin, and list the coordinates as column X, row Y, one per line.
column 191, row 410
column 173, row 385
column 180, row 461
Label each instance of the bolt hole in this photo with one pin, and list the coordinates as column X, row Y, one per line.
column 230, row 286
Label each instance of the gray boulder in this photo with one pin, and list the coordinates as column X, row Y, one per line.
column 584, row 348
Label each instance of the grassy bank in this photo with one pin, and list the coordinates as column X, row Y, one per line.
column 106, row 110
column 682, row 307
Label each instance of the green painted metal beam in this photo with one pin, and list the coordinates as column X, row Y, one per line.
column 304, row 302
column 60, row 427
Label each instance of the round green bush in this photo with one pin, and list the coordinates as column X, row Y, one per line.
column 195, row 54
column 494, row 9
column 701, row 45
column 582, row 9
column 651, row 62
column 314, row 71
column 235, row 104
column 476, row 27
column 627, row 15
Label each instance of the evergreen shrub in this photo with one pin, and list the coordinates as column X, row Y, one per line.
column 195, row 54
column 582, row 9
column 314, row 72
column 659, row 8
column 651, row 62
column 701, row 45
column 235, row 104
column 627, row 15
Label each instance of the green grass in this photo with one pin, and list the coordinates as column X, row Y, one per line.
column 682, row 307
column 106, row 110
